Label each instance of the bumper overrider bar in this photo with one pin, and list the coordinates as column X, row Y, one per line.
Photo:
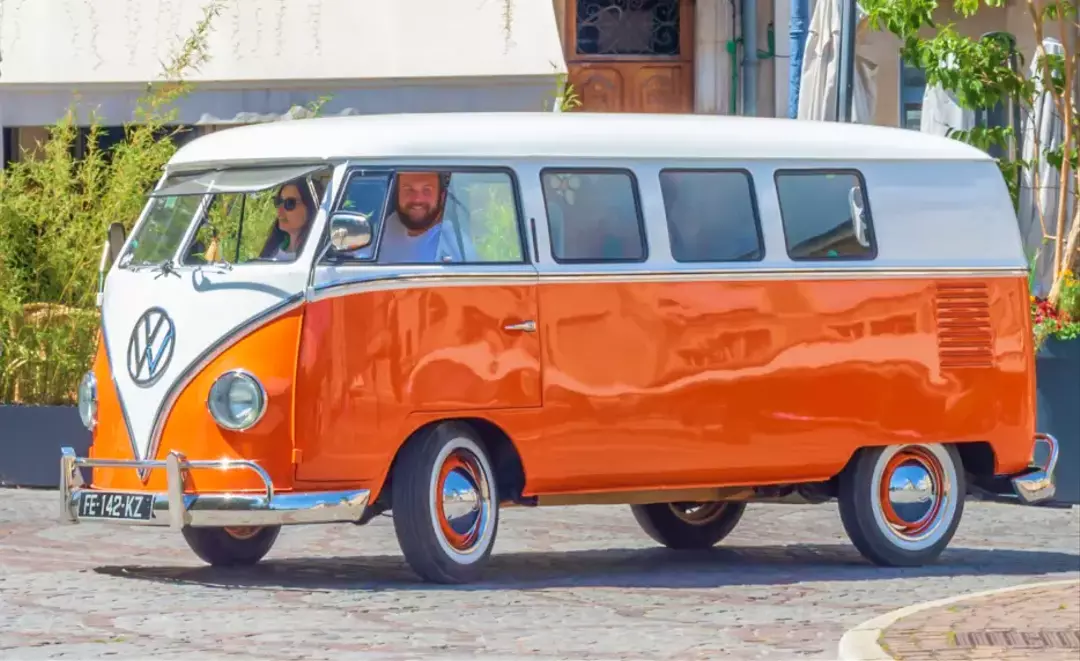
column 178, row 509
column 1036, row 485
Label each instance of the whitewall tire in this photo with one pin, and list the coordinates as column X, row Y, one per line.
column 445, row 504
column 901, row 504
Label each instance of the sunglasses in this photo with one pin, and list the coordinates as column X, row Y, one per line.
column 289, row 203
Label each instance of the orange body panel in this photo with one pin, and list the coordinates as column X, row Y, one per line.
column 634, row 385
column 369, row 361
column 270, row 354
column 755, row 382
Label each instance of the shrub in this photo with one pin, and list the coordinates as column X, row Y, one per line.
column 54, row 213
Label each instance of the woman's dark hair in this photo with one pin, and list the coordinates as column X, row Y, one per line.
column 279, row 238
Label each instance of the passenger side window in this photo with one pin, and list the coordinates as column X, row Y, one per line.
column 593, row 216
column 825, row 215
column 482, row 207
column 711, row 215
column 438, row 217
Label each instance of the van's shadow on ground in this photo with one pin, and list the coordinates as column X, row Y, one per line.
column 620, row 568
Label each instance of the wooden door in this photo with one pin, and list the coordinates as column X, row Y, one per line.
column 631, row 55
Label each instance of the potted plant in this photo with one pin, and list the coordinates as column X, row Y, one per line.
column 1056, row 324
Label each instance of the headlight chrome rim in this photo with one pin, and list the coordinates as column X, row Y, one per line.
column 87, row 400
column 219, row 392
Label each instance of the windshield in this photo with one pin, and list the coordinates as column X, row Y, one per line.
column 250, row 214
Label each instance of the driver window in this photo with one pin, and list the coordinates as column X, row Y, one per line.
column 267, row 225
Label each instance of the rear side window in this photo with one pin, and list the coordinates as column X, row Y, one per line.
column 825, row 215
column 711, row 215
column 593, row 216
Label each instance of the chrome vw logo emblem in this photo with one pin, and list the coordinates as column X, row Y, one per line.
column 151, row 347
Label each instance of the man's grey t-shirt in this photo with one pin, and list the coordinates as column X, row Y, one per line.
column 398, row 246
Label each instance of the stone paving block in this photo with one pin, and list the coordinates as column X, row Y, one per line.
column 564, row 583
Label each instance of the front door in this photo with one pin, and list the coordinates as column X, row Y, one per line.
column 631, row 55
column 395, row 336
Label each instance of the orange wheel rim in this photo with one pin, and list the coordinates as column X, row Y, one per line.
column 242, row 532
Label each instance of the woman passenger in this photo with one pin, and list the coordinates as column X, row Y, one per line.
column 295, row 210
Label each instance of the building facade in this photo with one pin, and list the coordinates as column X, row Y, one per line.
column 270, row 57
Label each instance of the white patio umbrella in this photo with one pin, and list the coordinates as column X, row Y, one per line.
column 940, row 111
column 1043, row 121
column 821, row 67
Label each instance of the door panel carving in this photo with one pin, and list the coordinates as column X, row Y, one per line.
column 599, row 88
column 663, row 88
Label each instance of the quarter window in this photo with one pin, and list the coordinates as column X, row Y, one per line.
column 593, row 216
column 711, row 216
column 825, row 215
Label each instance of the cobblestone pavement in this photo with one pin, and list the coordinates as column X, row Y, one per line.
column 565, row 583
column 1038, row 624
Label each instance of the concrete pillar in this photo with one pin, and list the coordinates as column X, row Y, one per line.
column 712, row 65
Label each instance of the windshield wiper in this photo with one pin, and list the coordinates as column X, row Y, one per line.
column 165, row 268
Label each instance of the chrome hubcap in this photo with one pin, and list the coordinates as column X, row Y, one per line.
column 463, row 497
column 913, row 490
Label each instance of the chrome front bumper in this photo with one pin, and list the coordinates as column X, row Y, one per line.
column 1036, row 485
column 178, row 509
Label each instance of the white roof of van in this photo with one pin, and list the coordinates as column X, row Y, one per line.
column 550, row 135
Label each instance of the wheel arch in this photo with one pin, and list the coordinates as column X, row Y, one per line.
column 500, row 448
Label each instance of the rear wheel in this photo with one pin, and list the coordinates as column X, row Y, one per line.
column 688, row 525
column 901, row 504
column 445, row 504
column 228, row 547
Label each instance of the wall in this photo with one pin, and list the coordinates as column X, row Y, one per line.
column 30, row 442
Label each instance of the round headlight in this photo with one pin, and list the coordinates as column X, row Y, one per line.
column 237, row 400
column 88, row 400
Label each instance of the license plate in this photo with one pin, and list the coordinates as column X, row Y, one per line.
column 119, row 506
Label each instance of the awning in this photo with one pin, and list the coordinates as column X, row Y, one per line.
column 270, row 57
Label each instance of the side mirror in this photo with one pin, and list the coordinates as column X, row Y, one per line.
column 116, row 240
column 349, row 231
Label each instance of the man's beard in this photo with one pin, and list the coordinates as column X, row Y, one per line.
column 426, row 220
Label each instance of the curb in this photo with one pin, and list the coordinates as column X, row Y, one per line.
column 860, row 643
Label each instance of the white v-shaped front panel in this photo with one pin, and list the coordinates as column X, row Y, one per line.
column 156, row 326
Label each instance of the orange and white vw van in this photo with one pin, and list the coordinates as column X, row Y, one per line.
column 440, row 316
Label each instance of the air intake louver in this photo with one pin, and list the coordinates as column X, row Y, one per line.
column 965, row 336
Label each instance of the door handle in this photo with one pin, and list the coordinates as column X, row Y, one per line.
column 527, row 326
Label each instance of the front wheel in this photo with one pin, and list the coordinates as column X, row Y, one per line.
column 901, row 504
column 688, row 525
column 229, row 547
column 445, row 504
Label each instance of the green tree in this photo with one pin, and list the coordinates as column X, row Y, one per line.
column 54, row 213
column 980, row 74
